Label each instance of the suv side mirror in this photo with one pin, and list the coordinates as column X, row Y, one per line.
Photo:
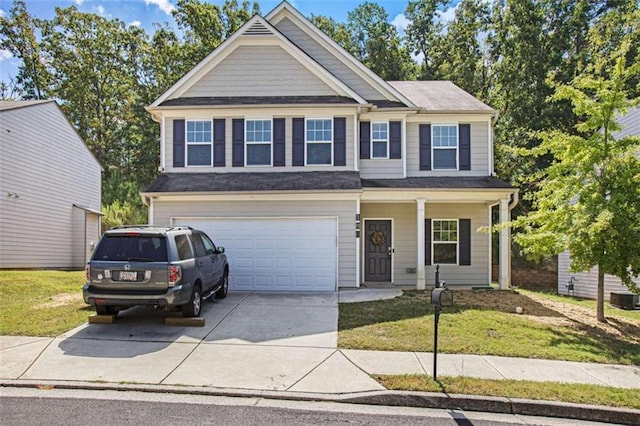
column 220, row 250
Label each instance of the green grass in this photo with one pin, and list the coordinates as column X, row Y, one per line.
column 41, row 303
column 483, row 323
column 590, row 304
column 549, row 391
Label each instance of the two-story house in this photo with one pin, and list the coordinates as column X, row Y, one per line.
column 316, row 174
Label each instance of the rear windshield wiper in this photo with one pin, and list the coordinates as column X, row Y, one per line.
column 139, row 259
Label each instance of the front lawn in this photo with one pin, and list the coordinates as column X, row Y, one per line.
column 550, row 391
column 485, row 322
column 41, row 303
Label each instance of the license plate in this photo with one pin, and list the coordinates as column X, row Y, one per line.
column 128, row 276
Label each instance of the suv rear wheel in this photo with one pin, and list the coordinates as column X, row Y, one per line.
column 106, row 310
column 192, row 309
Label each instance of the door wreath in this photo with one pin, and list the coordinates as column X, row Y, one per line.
column 377, row 238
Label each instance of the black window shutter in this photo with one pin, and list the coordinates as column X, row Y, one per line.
column 238, row 142
column 339, row 141
column 395, row 139
column 365, row 140
column 218, row 142
column 427, row 241
column 178, row 143
column 425, row 146
column 464, row 151
column 298, row 141
column 465, row 241
column 278, row 142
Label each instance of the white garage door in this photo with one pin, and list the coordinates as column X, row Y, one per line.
column 293, row 254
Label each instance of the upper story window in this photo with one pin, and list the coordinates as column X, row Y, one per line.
column 445, row 146
column 319, row 141
column 380, row 140
column 199, row 143
column 445, row 241
column 258, row 138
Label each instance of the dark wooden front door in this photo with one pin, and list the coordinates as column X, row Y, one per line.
column 377, row 250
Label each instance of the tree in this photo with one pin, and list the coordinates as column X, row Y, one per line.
column 464, row 63
column 425, row 35
column 19, row 37
column 375, row 42
column 588, row 200
column 337, row 31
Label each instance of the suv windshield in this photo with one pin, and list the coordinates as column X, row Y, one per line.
column 133, row 248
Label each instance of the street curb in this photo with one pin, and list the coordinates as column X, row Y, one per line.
column 502, row 405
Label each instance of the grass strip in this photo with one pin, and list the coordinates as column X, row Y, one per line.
column 548, row 391
column 41, row 303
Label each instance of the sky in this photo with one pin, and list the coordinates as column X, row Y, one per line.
column 144, row 13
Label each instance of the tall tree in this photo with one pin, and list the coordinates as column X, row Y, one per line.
column 375, row 42
column 18, row 36
column 465, row 61
column 425, row 35
column 337, row 31
column 95, row 62
column 588, row 201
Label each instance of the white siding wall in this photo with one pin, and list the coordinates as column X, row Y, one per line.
column 405, row 241
column 344, row 210
column 44, row 161
column 381, row 169
column 229, row 148
column 328, row 60
column 587, row 284
column 259, row 71
column 479, row 152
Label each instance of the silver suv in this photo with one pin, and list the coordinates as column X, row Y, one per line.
column 167, row 267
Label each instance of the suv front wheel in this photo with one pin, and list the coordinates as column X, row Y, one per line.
column 192, row 309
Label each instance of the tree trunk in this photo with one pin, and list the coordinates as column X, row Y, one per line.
column 600, row 297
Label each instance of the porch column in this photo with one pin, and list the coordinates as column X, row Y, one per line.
column 504, row 276
column 420, row 270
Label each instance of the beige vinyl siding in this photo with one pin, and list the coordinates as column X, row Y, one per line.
column 328, row 60
column 259, row 71
column 587, row 284
column 45, row 162
column 229, row 147
column 344, row 210
column 405, row 240
column 479, row 152
column 381, row 169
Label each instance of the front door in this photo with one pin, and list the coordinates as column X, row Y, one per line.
column 377, row 250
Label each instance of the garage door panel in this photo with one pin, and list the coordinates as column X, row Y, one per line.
column 276, row 254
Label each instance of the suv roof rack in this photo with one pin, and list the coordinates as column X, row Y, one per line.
column 152, row 226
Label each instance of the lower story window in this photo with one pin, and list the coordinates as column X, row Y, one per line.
column 445, row 241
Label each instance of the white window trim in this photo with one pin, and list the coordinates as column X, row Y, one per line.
column 306, row 142
column 378, row 140
column 433, row 147
column 246, row 143
column 187, row 143
column 433, row 241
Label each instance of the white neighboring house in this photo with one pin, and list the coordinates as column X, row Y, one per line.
column 587, row 281
column 49, row 189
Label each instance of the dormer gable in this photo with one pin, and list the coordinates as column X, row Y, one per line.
column 257, row 60
column 332, row 56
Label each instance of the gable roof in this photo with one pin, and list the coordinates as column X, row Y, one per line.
column 256, row 26
column 441, row 97
column 7, row 105
column 284, row 9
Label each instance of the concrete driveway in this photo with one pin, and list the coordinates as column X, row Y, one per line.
column 250, row 341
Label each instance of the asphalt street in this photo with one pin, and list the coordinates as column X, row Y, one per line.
column 29, row 406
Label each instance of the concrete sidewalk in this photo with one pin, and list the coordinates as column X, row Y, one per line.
column 248, row 344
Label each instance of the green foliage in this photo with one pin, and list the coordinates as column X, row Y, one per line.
column 122, row 213
column 589, row 197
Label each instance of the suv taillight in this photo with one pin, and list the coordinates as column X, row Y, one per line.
column 175, row 273
column 87, row 272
